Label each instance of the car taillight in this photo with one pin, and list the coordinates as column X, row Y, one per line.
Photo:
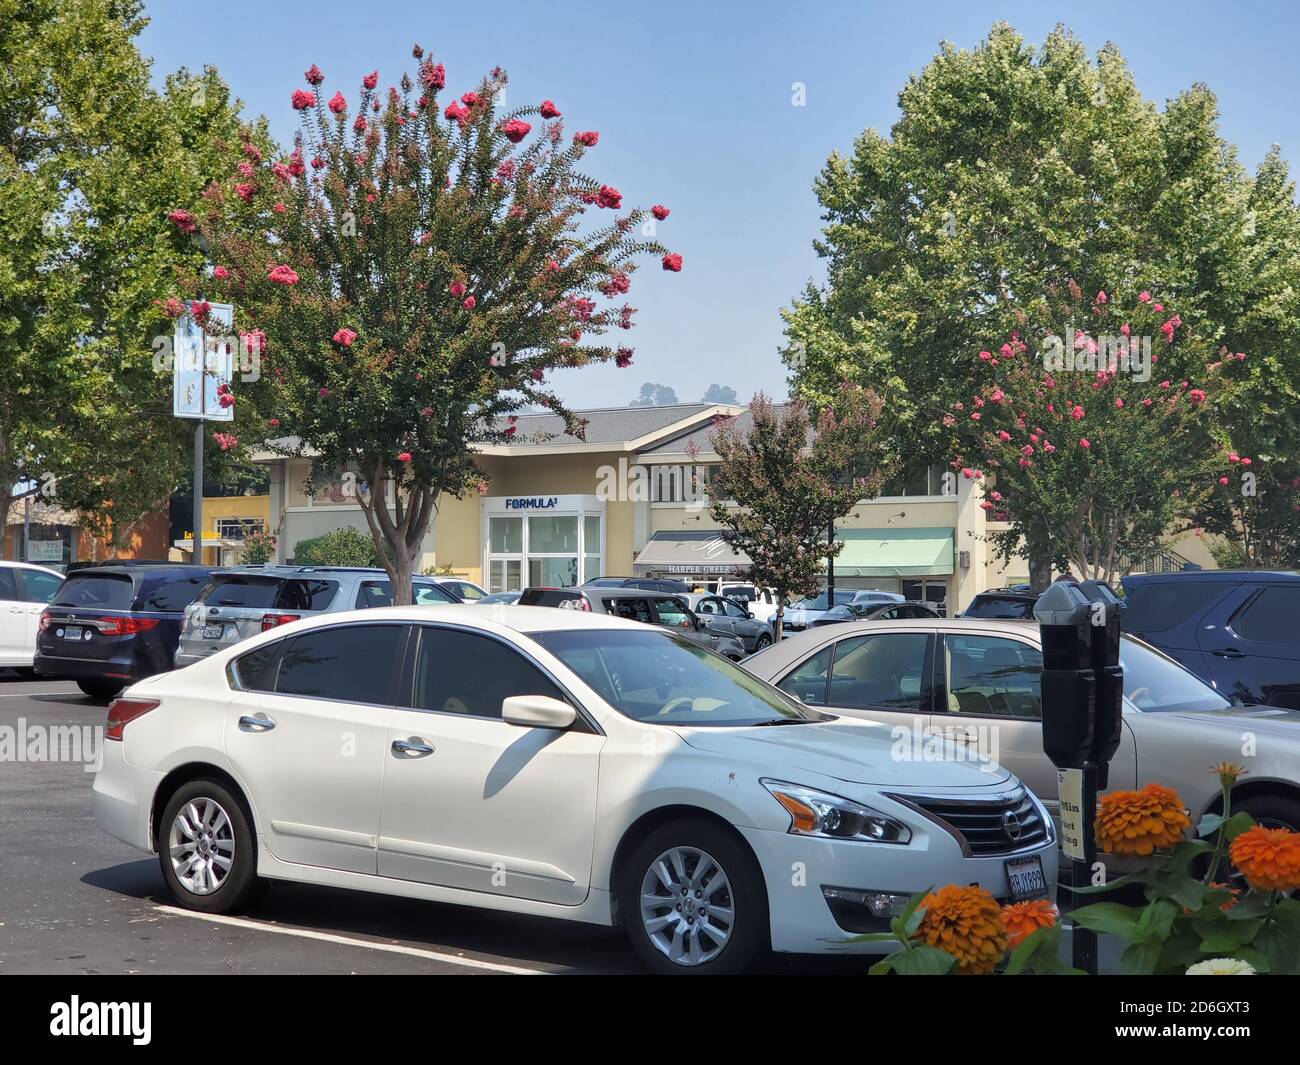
column 122, row 711
column 270, row 621
column 124, row 626
column 45, row 620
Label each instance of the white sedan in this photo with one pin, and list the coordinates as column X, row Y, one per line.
column 550, row 762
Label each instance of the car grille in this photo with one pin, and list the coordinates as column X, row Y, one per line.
column 1009, row 823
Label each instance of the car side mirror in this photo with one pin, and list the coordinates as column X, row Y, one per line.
column 749, row 614
column 537, row 711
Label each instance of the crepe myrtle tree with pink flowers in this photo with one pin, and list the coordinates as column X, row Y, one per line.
column 1084, row 447
column 413, row 270
column 785, row 477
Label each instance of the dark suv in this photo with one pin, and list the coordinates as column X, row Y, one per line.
column 1239, row 630
column 109, row 626
column 1006, row 604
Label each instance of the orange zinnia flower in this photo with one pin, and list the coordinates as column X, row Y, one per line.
column 1269, row 858
column 1024, row 918
column 967, row 923
column 1138, row 822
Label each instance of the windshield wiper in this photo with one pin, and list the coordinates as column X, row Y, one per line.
column 784, row 721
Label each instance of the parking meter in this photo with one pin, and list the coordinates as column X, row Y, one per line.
column 1069, row 684
column 1108, row 722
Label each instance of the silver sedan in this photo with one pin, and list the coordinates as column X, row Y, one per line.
column 977, row 682
column 721, row 614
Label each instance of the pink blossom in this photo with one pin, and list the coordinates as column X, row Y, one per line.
column 587, row 138
column 302, row 99
column 515, row 130
column 623, row 358
column 985, row 356
column 468, row 303
column 244, row 192
column 338, row 104
column 1223, row 480
column 457, row 288
column 659, row 211
column 403, row 456
column 672, row 262
column 345, row 337
column 283, row 275
column 313, row 75
column 1003, row 435
column 1101, row 298
column 1196, row 395
column 370, row 80
column 220, row 273
column 1144, row 297
column 1119, row 403
column 1083, row 443
column 183, row 220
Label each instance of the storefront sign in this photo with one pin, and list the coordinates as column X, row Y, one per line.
column 532, row 502
column 45, row 551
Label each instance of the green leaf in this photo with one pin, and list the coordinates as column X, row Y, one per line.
column 1141, row 959
column 1209, row 824
column 923, row 961
column 1110, row 918
column 1237, row 824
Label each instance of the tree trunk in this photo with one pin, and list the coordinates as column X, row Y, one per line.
column 1040, row 574
column 397, row 538
column 778, row 619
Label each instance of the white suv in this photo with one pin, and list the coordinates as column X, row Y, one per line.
column 24, row 591
column 592, row 768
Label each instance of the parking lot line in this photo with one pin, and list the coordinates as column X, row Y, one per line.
column 348, row 941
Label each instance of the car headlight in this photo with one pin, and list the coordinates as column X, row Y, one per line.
column 818, row 813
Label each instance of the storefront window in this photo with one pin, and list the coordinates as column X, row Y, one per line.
column 559, row 548
column 590, row 547
column 553, row 572
column 552, row 535
column 506, row 536
column 504, row 575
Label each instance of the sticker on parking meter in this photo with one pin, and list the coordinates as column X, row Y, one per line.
column 1069, row 785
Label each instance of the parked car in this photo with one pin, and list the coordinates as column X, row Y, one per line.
column 952, row 675
column 462, row 590
column 1006, row 604
column 874, row 612
column 110, row 625
column 1237, row 630
column 729, row 615
column 651, row 608
column 762, row 602
column 241, row 601
column 24, row 591
column 600, row 771
column 500, row 599
column 648, row 584
column 803, row 612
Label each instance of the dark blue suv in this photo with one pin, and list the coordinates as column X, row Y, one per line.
column 109, row 626
column 1237, row 629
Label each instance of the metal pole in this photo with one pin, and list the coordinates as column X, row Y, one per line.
column 198, row 491
column 1084, row 940
column 27, row 530
column 830, row 567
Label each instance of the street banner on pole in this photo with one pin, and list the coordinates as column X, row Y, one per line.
column 202, row 361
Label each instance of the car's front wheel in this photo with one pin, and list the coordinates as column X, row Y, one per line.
column 763, row 641
column 693, row 900
column 206, row 848
column 100, row 689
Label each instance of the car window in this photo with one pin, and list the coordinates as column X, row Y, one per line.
column 254, row 671
column 1271, row 616
column 236, row 590
column 660, row 678
column 807, row 682
column 306, row 595
column 8, row 584
column 467, row 591
column 632, row 609
column 673, row 614
column 354, row 663
column 708, row 606
column 98, row 591
column 467, row 673
column 1157, row 684
column 170, row 595
column 38, row 587
column 734, row 610
column 992, row 675
column 880, row 670
column 891, row 613
column 1007, row 607
column 380, row 593
column 1157, row 606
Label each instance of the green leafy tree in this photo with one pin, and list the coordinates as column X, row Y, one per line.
column 782, row 481
column 1090, row 451
column 719, row 394
column 92, row 162
column 655, row 395
column 413, row 270
column 1013, row 169
column 342, row 547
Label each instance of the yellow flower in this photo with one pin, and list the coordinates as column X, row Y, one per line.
column 1024, row 918
column 1138, row 822
column 1228, row 773
column 1269, row 858
column 967, row 923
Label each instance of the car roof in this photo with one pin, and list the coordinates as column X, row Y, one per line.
column 1239, row 576
column 143, row 570
column 15, row 564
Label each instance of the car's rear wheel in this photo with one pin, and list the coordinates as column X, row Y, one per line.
column 206, row 848
column 693, row 900
column 100, row 689
column 763, row 641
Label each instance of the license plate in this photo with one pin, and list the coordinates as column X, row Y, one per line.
column 72, row 632
column 213, row 632
column 1025, row 876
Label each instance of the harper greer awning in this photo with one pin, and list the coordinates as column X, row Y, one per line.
column 693, row 553
column 894, row 552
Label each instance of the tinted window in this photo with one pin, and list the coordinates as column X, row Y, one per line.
column 8, row 584
column 465, row 673
column 1011, row 607
column 807, row 683
column 1271, row 616
column 306, row 595
column 1157, row 606
column 256, row 593
column 990, row 675
column 380, row 593
column 882, row 670
column 549, row 597
column 99, row 592
column 170, row 595
column 632, row 609
column 38, row 587
column 355, row 663
column 254, row 672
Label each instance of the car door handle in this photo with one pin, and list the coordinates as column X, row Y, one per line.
column 412, row 748
column 1229, row 652
column 256, row 723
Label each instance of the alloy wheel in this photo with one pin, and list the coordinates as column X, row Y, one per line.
column 687, row 906
column 202, row 846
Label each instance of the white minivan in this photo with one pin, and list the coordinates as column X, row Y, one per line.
column 24, row 591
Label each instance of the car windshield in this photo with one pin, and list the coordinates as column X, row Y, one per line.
column 1155, row 684
column 661, row 679
column 820, row 602
column 1013, row 607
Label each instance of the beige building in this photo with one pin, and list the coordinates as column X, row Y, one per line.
column 631, row 500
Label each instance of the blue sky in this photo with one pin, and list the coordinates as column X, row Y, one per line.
column 693, row 105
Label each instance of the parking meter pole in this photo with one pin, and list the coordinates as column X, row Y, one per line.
column 1084, row 940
